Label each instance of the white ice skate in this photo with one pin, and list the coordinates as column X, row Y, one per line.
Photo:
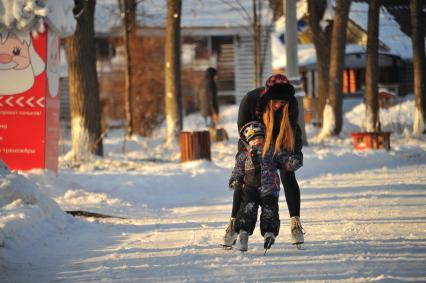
column 230, row 236
column 297, row 232
column 242, row 241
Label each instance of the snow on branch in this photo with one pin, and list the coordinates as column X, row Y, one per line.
column 31, row 15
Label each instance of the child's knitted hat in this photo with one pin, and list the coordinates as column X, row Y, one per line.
column 251, row 130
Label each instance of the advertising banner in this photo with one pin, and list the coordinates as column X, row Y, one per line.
column 29, row 103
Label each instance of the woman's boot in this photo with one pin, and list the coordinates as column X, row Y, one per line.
column 230, row 236
column 297, row 231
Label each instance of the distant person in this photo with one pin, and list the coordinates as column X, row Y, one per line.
column 209, row 104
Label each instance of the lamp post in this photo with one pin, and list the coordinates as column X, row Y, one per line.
column 292, row 68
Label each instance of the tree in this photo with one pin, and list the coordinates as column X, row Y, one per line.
column 83, row 85
column 337, row 60
column 321, row 37
column 128, row 27
column 173, row 96
column 372, row 69
column 257, row 37
column 419, row 65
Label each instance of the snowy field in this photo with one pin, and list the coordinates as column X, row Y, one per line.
column 364, row 214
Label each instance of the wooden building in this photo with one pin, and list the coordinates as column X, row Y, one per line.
column 214, row 34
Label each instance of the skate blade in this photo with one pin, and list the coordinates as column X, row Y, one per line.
column 300, row 247
column 226, row 247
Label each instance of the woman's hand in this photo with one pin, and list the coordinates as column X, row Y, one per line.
column 294, row 162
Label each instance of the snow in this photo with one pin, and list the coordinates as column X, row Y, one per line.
column 329, row 123
column 25, row 211
column 397, row 119
column 363, row 211
column 31, row 15
column 60, row 17
column 389, row 30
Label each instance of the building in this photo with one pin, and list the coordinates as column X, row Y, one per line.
column 214, row 34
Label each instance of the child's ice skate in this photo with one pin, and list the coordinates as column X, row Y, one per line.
column 242, row 241
column 269, row 241
column 297, row 232
column 230, row 236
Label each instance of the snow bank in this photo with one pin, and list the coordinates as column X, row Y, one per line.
column 25, row 212
column 396, row 119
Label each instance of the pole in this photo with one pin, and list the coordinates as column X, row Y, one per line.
column 292, row 68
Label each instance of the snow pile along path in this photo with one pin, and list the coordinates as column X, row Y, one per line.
column 25, row 212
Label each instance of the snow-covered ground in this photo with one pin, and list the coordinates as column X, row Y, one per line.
column 364, row 214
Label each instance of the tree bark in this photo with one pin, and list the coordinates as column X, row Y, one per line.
column 337, row 60
column 321, row 39
column 128, row 24
column 257, row 45
column 419, row 65
column 372, row 68
column 172, row 71
column 84, row 87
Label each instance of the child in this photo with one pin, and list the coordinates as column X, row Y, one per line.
column 257, row 175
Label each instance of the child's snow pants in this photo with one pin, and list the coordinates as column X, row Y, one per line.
column 247, row 214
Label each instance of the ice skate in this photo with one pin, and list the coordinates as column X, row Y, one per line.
column 242, row 241
column 297, row 232
column 230, row 236
column 269, row 241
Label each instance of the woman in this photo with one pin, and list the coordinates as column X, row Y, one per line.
column 276, row 106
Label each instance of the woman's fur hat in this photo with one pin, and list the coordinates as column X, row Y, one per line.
column 277, row 87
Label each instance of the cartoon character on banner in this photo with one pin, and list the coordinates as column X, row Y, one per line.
column 19, row 62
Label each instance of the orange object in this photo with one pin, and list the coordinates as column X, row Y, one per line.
column 371, row 140
column 194, row 145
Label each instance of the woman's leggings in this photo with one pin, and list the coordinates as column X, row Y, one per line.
column 291, row 191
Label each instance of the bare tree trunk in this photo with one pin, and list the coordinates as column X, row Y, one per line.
column 84, row 87
column 321, row 39
column 172, row 71
column 337, row 60
column 257, row 46
column 372, row 68
column 127, row 9
column 419, row 65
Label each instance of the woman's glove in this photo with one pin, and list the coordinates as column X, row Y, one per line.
column 281, row 159
column 294, row 162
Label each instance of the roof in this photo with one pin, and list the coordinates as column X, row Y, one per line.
column 390, row 32
column 391, row 35
column 30, row 15
column 224, row 14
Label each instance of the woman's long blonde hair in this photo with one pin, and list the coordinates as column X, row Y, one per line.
column 285, row 134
